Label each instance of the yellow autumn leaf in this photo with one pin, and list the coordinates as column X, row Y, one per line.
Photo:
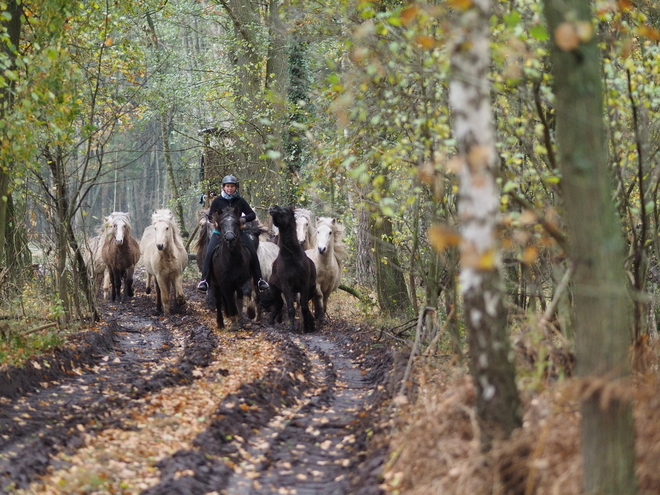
column 426, row 173
column 584, row 30
column 460, row 4
column 455, row 164
column 649, row 32
column 442, row 237
column 624, row 5
column 487, row 260
column 478, row 157
column 425, row 41
column 529, row 255
column 108, row 41
column 566, row 37
column 408, row 14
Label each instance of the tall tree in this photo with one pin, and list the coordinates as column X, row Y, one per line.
column 493, row 372
column 602, row 306
column 11, row 23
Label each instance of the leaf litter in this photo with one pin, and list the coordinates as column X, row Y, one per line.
column 173, row 405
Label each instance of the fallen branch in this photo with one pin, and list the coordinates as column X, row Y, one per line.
column 351, row 291
column 563, row 284
column 42, row 327
column 418, row 332
column 434, row 342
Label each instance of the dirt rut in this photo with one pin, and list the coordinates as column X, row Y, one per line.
column 304, row 427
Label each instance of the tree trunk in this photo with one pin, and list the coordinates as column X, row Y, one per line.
column 493, row 372
column 13, row 27
column 165, row 121
column 602, row 307
column 390, row 283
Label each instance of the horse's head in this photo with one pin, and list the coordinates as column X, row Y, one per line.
column 303, row 225
column 283, row 217
column 117, row 225
column 325, row 235
column 164, row 231
column 227, row 222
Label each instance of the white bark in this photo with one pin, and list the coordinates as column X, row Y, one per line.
column 493, row 373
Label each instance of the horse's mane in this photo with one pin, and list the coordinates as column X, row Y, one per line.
column 302, row 212
column 110, row 219
column 256, row 228
column 340, row 247
column 307, row 214
column 203, row 219
column 166, row 215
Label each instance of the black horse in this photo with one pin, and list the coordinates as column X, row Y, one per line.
column 231, row 278
column 293, row 273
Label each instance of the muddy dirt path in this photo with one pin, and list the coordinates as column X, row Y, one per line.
column 145, row 404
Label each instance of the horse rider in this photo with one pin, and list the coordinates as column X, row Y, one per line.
column 230, row 197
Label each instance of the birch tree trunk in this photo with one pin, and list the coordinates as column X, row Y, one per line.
column 603, row 309
column 491, row 366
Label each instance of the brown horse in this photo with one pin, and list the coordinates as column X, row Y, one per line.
column 120, row 253
column 205, row 224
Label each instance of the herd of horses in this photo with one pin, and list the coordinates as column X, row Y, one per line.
column 300, row 257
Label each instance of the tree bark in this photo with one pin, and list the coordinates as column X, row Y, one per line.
column 390, row 283
column 165, row 121
column 491, row 366
column 602, row 306
column 13, row 27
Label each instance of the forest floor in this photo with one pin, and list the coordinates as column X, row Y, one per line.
column 172, row 405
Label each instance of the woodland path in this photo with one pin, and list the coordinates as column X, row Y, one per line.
column 153, row 405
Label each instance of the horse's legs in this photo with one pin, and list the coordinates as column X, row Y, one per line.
column 106, row 283
column 291, row 309
column 164, row 293
column 320, row 304
column 178, row 292
column 116, row 284
column 308, row 320
column 245, row 294
column 148, row 289
column 218, row 306
column 277, row 303
column 159, row 300
column 128, row 288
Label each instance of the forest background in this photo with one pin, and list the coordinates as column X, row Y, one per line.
column 339, row 106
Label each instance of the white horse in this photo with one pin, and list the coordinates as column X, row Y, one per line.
column 165, row 258
column 304, row 230
column 327, row 256
column 96, row 267
column 120, row 252
column 267, row 253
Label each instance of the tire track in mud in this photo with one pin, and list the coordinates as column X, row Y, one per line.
column 52, row 416
column 310, row 450
column 304, row 429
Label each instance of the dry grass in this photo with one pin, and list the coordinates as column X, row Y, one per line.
column 434, row 447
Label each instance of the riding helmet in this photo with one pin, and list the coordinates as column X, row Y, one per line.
column 230, row 179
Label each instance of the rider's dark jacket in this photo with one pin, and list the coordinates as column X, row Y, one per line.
column 235, row 201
